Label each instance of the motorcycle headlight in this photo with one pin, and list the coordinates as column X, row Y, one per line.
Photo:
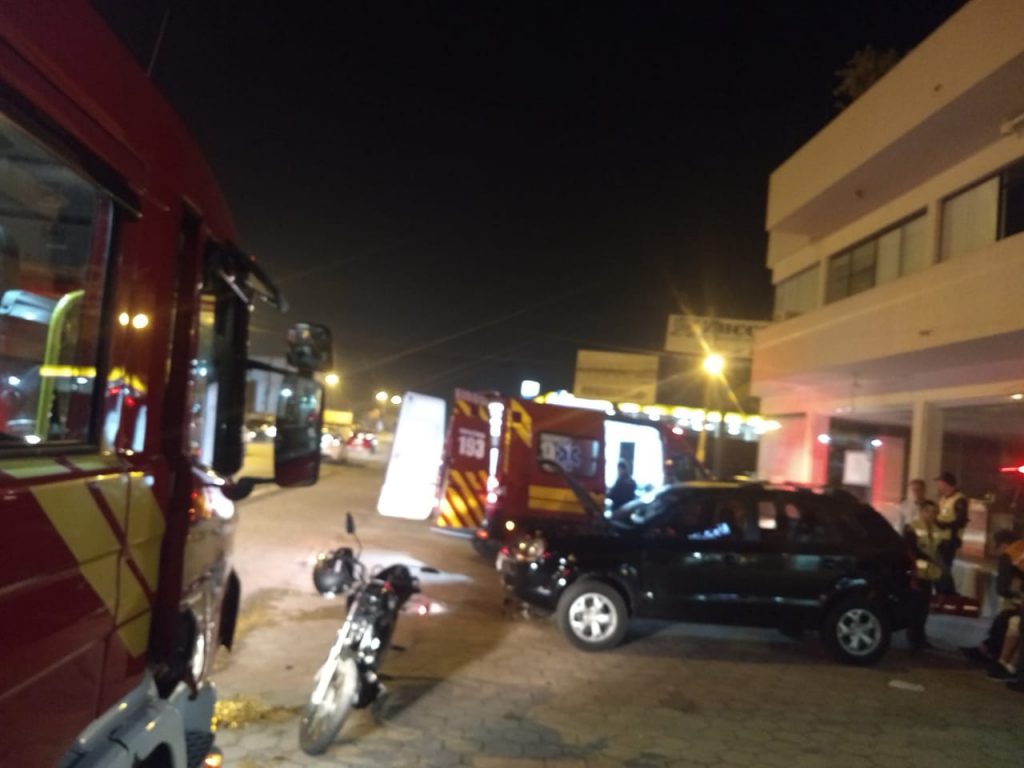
column 531, row 548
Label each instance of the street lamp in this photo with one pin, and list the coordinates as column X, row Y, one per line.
column 714, row 368
column 396, row 399
column 714, row 364
column 382, row 396
column 332, row 379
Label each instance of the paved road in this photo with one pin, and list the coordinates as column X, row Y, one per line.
column 480, row 687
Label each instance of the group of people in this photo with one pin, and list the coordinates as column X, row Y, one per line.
column 935, row 531
column 1002, row 651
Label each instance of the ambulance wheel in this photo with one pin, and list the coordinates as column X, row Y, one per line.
column 592, row 615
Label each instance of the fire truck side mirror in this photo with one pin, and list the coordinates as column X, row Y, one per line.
column 299, row 425
column 310, row 348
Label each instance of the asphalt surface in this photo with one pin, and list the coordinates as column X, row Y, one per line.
column 480, row 684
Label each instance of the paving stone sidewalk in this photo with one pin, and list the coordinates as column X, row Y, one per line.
column 480, row 686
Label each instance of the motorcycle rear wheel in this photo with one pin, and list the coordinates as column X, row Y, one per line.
column 321, row 720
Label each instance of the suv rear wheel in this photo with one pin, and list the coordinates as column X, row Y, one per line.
column 857, row 631
column 592, row 615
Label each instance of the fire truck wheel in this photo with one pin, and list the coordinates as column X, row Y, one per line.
column 592, row 615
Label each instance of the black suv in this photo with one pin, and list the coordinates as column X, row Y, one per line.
column 725, row 553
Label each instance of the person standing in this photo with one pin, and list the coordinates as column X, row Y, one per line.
column 952, row 519
column 910, row 508
column 925, row 537
column 624, row 489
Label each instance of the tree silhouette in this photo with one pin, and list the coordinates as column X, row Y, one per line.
column 862, row 70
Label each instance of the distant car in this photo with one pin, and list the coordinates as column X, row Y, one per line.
column 725, row 553
column 361, row 440
column 258, row 431
column 332, row 445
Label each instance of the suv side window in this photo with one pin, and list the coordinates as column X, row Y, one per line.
column 801, row 521
column 677, row 515
column 730, row 522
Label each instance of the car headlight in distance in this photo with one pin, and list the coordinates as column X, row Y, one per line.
column 531, row 548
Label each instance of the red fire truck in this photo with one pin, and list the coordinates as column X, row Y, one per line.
column 511, row 463
column 124, row 313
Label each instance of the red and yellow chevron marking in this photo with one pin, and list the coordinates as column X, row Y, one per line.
column 561, row 500
column 520, row 422
column 466, row 408
column 462, row 504
column 113, row 527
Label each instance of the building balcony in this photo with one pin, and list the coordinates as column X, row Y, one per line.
column 952, row 324
column 944, row 102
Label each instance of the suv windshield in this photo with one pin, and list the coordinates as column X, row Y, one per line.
column 651, row 505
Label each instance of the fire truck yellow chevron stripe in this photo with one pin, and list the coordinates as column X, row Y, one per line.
column 102, row 577
column 463, row 406
column 473, row 513
column 135, row 634
column 93, row 463
column 521, row 422
column 77, row 518
column 28, row 468
column 115, row 494
column 145, row 530
column 131, row 599
column 473, row 482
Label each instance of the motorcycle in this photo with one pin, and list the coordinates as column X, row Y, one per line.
column 348, row 679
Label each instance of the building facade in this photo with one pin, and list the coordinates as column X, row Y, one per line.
column 896, row 245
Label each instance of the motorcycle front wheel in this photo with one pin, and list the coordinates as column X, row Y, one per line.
column 334, row 695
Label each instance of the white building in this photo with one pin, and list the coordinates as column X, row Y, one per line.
column 896, row 245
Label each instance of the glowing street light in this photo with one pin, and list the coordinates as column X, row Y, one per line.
column 332, row 379
column 396, row 399
column 714, row 365
column 382, row 396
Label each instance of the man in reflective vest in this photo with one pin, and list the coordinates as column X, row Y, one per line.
column 925, row 538
column 952, row 520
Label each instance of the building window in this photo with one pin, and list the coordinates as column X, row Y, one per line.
column 988, row 211
column 897, row 251
column 1012, row 208
column 797, row 294
column 970, row 219
column 54, row 236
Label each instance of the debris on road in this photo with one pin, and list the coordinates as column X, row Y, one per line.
column 903, row 685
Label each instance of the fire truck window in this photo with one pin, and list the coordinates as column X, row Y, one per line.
column 54, row 230
column 576, row 455
column 203, row 421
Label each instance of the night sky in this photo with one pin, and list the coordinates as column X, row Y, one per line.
column 467, row 192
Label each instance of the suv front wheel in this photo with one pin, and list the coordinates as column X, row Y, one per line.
column 857, row 630
column 592, row 615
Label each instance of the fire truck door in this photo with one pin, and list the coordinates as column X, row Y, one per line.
column 410, row 483
column 463, row 490
column 77, row 592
